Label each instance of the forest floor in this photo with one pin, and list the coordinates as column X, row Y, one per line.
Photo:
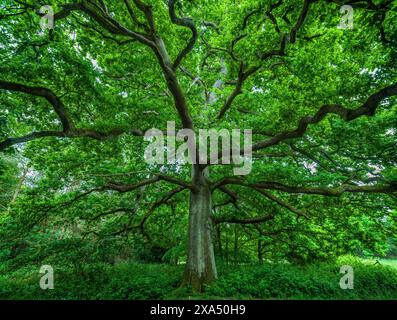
column 131, row 280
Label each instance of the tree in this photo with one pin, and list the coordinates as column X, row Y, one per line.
column 110, row 71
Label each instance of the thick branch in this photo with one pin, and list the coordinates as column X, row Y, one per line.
column 157, row 177
column 160, row 202
column 31, row 136
column 184, row 22
column 282, row 203
column 147, row 11
column 103, row 19
column 129, row 187
column 326, row 191
column 300, row 21
column 57, row 104
column 133, row 16
column 245, row 74
column 68, row 131
column 368, row 109
column 254, row 220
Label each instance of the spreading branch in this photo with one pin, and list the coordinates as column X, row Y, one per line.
column 156, row 178
column 316, row 190
column 254, row 220
column 245, row 72
column 159, row 203
column 367, row 109
column 68, row 129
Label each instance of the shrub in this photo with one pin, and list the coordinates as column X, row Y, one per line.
column 131, row 280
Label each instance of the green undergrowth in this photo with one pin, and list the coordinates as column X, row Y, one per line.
column 128, row 280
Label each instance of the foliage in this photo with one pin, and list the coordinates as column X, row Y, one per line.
column 130, row 280
column 76, row 100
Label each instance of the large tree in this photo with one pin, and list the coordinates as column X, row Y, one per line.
column 320, row 101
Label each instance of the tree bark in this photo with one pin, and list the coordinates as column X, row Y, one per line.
column 200, row 266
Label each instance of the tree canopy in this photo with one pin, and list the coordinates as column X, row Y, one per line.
column 76, row 101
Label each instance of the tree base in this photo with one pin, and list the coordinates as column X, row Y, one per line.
column 197, row 284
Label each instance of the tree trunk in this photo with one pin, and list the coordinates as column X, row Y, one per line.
column 200, row 266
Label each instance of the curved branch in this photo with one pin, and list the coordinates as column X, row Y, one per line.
column 75, row 133
column 234, row 197
column 122, row 188
column 245, row 74
column 368, row 109
column 300, row 21
column 103, row 19
column 184, row 22
column 291, row 37
column 133, row 16
column 159, row 203
column 31, row 136
column 68, row 129
column 109, row 212
column 157, row 177
column 244, row 221
column 147, row 11
column 325, row 191
column 57, row 104
column 282, row 203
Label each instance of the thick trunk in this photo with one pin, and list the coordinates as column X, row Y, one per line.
column 200, row 266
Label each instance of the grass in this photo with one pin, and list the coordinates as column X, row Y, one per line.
column 128, row 280
column 384, row 262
